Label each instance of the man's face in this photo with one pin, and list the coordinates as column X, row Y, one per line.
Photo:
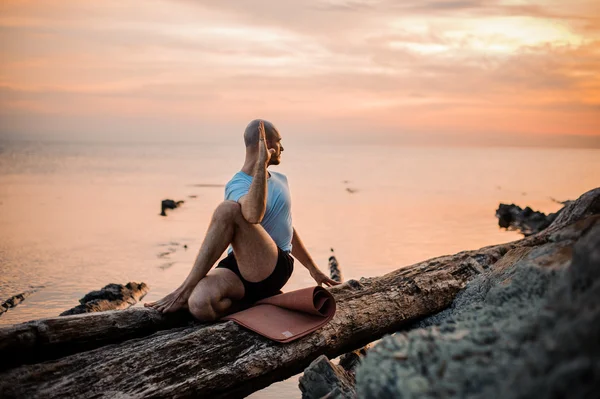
column 274, row 141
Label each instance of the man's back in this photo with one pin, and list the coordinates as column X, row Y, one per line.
column 278, row 215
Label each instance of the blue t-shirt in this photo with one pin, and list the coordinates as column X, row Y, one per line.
column 278, row 215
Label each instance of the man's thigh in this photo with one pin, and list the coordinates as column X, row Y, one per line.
column 255, row 251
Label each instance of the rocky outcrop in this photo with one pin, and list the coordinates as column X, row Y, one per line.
column 111, row 297
column 528, row 328
column 169, row 204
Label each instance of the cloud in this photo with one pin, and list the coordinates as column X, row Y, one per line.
column 443, row 66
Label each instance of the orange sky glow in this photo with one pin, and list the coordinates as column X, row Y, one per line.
column 482, row 71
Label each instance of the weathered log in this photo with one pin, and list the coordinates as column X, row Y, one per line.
column 51, row 338
column 223, row 360
column 111, row 297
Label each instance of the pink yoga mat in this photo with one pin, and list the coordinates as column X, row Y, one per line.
column 288, row 316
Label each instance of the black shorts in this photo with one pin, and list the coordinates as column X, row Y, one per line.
column 269, row 286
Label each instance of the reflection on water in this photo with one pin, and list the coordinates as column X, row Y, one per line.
column 75, row 217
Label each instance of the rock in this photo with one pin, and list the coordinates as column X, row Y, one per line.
column 523, row 330
column 526, row 221
column 334, row 268
column 169, row 204
column 324, row 379
column 111, row 297
column 14, row 301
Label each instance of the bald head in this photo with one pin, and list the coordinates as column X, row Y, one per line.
column 251, row 132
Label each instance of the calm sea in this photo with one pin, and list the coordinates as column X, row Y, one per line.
column 77, row 216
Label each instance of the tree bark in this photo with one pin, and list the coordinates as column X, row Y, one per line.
column 224, row 360
column 51, row 338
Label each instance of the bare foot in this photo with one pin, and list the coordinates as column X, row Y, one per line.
column 171, row 303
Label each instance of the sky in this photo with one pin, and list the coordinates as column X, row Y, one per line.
column 412, row 71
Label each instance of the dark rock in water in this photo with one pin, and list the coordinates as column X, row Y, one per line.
column 525, row 329
column 111, row 297
column 334, row 268
column 169, row 204
column 14, row 301
column 527, row 221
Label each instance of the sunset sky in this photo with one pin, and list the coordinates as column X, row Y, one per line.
column 437, row 71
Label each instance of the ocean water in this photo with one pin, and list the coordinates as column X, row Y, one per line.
column 77, row 216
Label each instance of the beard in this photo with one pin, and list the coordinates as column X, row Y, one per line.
column 275, row 160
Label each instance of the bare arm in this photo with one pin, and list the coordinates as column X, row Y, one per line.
column 254, row 204
column 299, row 252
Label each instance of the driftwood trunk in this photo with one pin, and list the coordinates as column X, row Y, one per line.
column 224, row 360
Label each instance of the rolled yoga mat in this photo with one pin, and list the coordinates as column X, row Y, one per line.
column 288, row 316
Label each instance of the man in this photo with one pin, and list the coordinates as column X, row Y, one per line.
column 255, row 221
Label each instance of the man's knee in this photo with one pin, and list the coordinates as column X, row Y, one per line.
column 201, row 308
column 228, row 210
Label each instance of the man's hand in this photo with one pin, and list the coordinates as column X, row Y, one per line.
column 173, row 302
column 321, row 279
column 264, row 153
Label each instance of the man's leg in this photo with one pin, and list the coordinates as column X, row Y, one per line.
column 254, row 249
column 256, row 255
column 215, row 295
